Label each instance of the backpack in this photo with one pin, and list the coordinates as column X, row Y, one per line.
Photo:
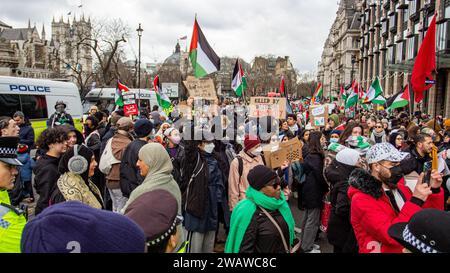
column 107, row 159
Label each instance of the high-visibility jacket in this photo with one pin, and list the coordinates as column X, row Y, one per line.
column 12, row 222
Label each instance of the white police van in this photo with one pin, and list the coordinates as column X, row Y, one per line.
column 36, row 98
column 103, row 98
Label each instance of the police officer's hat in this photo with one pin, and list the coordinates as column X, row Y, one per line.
column 8, row 150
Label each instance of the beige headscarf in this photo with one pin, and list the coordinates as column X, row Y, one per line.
column 156, row 158
column 159, row 174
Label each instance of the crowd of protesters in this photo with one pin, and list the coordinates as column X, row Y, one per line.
column 174, row 182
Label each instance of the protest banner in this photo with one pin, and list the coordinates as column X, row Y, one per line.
column 265, row 106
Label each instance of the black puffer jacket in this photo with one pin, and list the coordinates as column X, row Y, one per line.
column 46, row 175
column 262, row 236
column 130, row 177
column 340, row 232
column 315, row 186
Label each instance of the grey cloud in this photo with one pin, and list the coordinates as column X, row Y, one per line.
column 297, row 28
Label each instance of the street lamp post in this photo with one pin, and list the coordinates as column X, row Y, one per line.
column 139, row 31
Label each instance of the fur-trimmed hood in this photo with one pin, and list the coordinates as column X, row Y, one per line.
column 361, row 180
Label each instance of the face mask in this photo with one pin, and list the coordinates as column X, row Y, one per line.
column 334, row 140
column 175, row 139
column 396, row 175
column 257, row 151
column 209, row 148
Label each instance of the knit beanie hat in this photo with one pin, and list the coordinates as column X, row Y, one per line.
column 334, row 118
column 259, row 176
column 73, row 227
column 143, row 127
column 156, row 213
column 348, row 157
column 250, row 142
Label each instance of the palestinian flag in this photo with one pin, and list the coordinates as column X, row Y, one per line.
column 203, row 58
column 238, row 83
column 118, row 98
column 161, row 97
column 318, row 93
column 399, row 100
column 380, row 100
column 375, row 90
column 353, row 97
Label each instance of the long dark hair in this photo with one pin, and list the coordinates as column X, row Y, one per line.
column 314, row 143
column 348, row 131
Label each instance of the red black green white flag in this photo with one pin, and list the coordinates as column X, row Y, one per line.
column 203, row 58
column 118, row 98
column 238, row 84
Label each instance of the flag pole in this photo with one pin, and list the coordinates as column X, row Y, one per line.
column 436, row 87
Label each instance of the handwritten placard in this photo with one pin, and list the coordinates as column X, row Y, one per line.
column 200, row 88
column 265, row 106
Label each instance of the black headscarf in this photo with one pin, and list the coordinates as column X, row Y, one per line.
column 82, row 151
column 393, row 137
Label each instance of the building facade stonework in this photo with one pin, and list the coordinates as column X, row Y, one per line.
column 336, row 68
column 24, row 52
column 389, row 36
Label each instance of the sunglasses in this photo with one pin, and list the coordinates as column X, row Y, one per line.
column 275, row 184
column 379, row 127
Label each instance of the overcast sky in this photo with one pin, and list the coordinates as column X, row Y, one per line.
column 244, row 28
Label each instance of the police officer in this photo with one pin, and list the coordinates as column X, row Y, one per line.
column 12, row 220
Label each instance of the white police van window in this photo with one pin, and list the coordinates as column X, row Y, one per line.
column 33, row 106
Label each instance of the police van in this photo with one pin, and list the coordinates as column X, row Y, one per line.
column 103, row 98
column 36, row 98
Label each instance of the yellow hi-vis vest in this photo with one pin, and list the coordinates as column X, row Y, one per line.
column 12, row 222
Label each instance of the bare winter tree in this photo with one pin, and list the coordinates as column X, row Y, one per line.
column 106, row 43
column 105, row 40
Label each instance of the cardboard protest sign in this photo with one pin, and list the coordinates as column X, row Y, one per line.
column 318, row 115
column 276, row 155
column 265, row 106
column 201, row 88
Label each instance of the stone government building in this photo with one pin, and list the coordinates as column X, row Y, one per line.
column 384, row 37
column 24, row 52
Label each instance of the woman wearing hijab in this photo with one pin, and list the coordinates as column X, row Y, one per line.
column 156, row 167
column 397, row 140
column 253, row 228
column 72, row 186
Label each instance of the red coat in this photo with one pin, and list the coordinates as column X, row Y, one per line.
column 372, row 213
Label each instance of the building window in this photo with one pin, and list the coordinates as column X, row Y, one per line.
column 385, row 27
column 413, row 7
column 393, row 22
column 412, row 45
column 391, row 55
column 447, row 12
column 400, row 53
column 443, row 36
